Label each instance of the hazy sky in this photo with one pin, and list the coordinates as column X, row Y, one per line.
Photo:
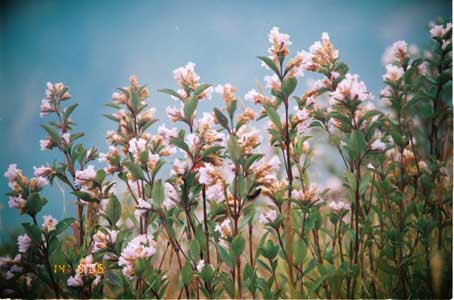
column 93, row 46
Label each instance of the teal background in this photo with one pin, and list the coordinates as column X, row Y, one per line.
column 93, row 46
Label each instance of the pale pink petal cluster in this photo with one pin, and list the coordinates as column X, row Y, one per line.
column 23, row 242
column 141, row 247
column 268, row 217
column 49, row 223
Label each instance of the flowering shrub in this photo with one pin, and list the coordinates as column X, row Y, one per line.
column 240, row 215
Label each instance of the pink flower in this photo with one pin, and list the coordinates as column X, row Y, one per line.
column 49, row 223
column 24, row 242
column 273, row 82
column 12, row 172
column 84, row 176
column 393, row 73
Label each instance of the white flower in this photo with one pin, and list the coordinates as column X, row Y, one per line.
column 200, row 265
column 141, row 247
column 39, row 182
column 437, row 31
column 215, row 192
column 254, row 97
column 12, row 172
column 279, row 42
column 136, row 146
column 268, row 217
column 17, row 202
column 192, row 140
column 206, row 174
column 273, row 82
column 49, row 223
column 147, row 115
column 350, row 88
column 75, row 281
column 178, row 167
column 45, row 144
column 393, row 73
column 45, row 108
column 101, row 239
column 225, row 229
column 84, row 176
column 24, row 242
column 167, row 133
column 339, row 206
column 142, row 207
column 186, row 75
column 42, row 171
column 396, row 53
column 378, row 145
column 302, row 117
column 66, row 137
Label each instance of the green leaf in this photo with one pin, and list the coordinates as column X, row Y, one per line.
column 200, row 89
column 34, row 204
column 238, row 245
column 226, row 257
column 114, row 209
column 69, row 110
column 54, row 136
column 190, row 107
column 33, row 232
column 288, row 86
column 62, row 225
column 135, row 170
column 273, row 115
column 158, row 192
column 194, row 249
column 84, row 196
column 222, row 120
column 100, row 175
column 170, row 92
column 270, row 63
column 135, row 99
column 211, row 150
column 186, row 273
column 357, row 142
column 234, row 148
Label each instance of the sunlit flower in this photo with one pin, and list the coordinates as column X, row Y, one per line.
column 398, row 52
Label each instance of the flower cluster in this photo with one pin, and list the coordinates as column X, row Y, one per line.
column 142, row 247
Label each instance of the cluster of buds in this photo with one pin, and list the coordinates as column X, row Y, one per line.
column 350, row 89
column 309, row 196
column 87, row 269
column 397, row 53
column 443, row 33
column 21, row 186
column 142, row 247
column 103, row 239
column 248, row 138
column 53, row 95
column 11, row 267
column 257, row 98
column 265, row 172
column 188, row 79
column 322, row 54
column 301, row 120
column 227, row 92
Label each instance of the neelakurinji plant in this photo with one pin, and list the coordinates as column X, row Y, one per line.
column 241, row 214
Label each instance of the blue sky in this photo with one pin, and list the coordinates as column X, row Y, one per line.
column 93, row 46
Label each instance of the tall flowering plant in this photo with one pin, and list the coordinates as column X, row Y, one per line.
column 240, row 213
